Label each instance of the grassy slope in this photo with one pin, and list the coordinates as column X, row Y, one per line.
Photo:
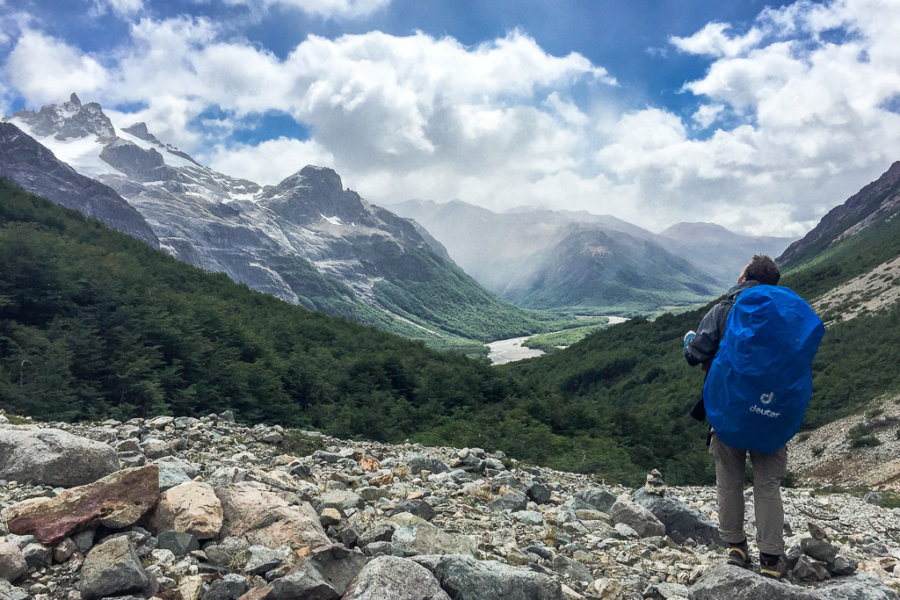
column 841, row 262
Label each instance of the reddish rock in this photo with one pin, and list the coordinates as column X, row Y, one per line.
column 116, row 501
column 257, row 593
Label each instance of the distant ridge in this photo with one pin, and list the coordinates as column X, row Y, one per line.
column 718, row 251
column 559, row 259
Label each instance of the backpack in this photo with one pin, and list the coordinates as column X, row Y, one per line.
column 760, row 381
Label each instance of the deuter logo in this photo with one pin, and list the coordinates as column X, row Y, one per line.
column 766, row 399
column 765, row 412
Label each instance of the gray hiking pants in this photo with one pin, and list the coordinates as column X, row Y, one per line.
column 768, row 470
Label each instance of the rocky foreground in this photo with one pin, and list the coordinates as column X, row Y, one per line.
column 207, row 509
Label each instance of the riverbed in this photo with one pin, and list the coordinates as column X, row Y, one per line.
column 513, row 349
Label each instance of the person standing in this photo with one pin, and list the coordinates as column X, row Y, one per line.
column 769, row 469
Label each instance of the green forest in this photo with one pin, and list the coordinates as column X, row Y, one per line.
column 94, row 324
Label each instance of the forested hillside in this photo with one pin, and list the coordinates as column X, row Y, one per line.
column 631, row 382
column 94, row 324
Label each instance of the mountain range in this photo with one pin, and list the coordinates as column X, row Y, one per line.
column 311, row 242
column 307, row 240
column 547, row 259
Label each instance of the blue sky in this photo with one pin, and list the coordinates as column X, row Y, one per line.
column 759, row 116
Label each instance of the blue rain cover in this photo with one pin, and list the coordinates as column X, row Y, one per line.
column 760, row 381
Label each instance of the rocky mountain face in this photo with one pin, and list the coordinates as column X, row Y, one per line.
column 32, row 166
column 207, row 509
column 552, row 259
column 861, row 451
column 591, row 266
column 306, row 240
column 877, row 202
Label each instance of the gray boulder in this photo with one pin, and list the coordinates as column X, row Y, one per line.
column 636, row 517
column 528, row 517
column 12, row 562
column 342, row 500
column 395, row 578
column 858, row 587
column 470, row 460
column 575, row 504
column 113, row 568
column 465, row 578
column 842, row 566
column 10, row 592
column 819, row 549
column 418, row 462
column 37, row 555
column 506, row 479
column 263, row 559
column 665, row 591
column 513, row 501
column 53, row 457
column 571, row 569
column 413, row 536
column 418, row 507
column 64, row 550
column 807, row 569
column 681, row 522
column 735, row 583
column 173, row 471
column 231, row 550
column 538, row 492
column 324, row 575
column 179, row 543
column 598, row 497
column 230, row 587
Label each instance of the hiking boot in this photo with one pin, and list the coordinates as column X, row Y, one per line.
column 771, row 566
column 739, row 555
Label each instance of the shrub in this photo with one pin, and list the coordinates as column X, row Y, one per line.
column 18, row 420
column 297, row 443
column 890, row 500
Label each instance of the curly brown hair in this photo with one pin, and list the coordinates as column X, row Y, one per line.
column 763, row 269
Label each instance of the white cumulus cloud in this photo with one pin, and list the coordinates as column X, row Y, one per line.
column 258, row 162
column 807, row 87
column 125, row 9
column 714, row 40
column 329, row 9
column 795, row 112
column 44, row 69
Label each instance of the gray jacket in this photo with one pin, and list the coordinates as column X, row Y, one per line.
column 703, row 347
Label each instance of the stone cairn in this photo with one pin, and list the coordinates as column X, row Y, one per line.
column 207, row 509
